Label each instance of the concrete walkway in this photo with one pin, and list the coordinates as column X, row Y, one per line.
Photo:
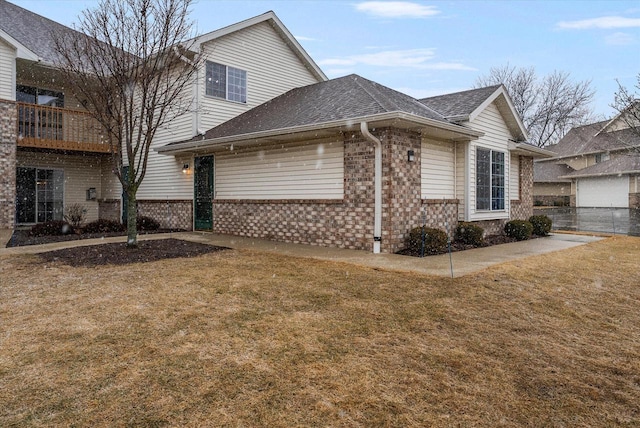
column 463, row 262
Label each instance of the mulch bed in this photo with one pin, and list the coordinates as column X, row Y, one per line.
column 120, row 254
column 457, row 246
column 23, row 237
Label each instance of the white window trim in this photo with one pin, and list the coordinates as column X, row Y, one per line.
column 226, row 97
column 506, row 181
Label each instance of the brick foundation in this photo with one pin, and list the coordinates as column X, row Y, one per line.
column 109, row 209
column 634, row 200
column 8, row 135
column 171, row 214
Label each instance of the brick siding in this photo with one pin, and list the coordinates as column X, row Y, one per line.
column 171, row 214
column 523, row 208
column 8, row 135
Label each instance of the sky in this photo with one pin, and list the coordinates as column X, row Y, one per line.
column 426, row 48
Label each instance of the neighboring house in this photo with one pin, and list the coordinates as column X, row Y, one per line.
column 595, row 165
column 354, row 164
column 51, row 153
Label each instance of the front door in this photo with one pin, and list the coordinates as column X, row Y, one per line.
column 203, row 193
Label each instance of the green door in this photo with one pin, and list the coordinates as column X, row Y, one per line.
column 203, row 193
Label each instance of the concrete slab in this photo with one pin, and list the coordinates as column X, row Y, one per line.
column 461, row 263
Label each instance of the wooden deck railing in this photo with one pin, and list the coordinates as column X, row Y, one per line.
column 58, row 128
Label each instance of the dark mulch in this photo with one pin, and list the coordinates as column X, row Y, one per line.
column 23, row 237
column 120, row 254
column 457, row 246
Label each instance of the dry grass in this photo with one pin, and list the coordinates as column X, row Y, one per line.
column 245, row 339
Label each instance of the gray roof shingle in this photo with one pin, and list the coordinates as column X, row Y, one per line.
column 620, row 164
column 343, row 98
column 31, row 30
column 459, row 103
column 586, row 139
column 548, row 172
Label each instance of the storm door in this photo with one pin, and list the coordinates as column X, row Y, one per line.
column 203, row 193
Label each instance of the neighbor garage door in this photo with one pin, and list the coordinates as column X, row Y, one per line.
column 603, row 192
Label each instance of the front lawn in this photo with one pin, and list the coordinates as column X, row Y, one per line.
column 239, row 338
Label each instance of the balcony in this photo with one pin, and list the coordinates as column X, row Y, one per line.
column 55, row 128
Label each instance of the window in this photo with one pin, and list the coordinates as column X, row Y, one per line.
column 602, row 157
column 490, row 180
column 226, row 82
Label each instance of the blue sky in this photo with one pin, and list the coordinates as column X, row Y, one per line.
column 426, row 48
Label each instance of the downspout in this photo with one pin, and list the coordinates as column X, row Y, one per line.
column 377, row 185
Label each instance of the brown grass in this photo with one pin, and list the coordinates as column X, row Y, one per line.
column 238, row 338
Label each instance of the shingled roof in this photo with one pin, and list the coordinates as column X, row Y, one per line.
column 588, row 139
column 342, row 99
column 31, row 30
column 459, row 104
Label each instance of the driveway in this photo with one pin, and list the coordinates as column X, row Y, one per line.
column 622, row 221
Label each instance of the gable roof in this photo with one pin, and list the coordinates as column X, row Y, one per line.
column 467, row 105
column 29, row 32
column 587, row 139
column 270, row 18
column 337, row 104
column 549, row 172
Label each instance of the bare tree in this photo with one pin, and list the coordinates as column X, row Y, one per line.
column 130, row 65
column 627, row 104
column 549, row 106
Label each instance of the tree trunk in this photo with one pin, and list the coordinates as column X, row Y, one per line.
column 132, row 216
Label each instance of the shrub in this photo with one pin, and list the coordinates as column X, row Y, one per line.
column 75, row 214
column 521, row 230
column 144, row 223
column 435, row 240
column 469, row 234
column 52, row 228
column 541, row 224
column 103, row 226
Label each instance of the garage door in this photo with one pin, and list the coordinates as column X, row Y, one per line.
column 603, row 192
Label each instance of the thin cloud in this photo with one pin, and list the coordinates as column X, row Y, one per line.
column 409, row 58
column 604, row 22
column 396, row 9
column 306, row 39
column 619, row 39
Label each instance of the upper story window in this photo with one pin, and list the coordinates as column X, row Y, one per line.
column 490, row 180
column 602, row 157
column 226, row 82
column 45, row 97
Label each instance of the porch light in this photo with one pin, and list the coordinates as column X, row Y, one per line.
column 185, row 168
column 411, row 156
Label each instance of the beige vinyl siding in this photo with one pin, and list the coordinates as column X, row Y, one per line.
column 272, row 69
column 7, row 72
column 496, row 137
column 437, row 170
column 461, row 178
column 313, row 171
column 80, row 173
column 514, row 178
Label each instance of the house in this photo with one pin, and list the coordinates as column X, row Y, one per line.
column 595, row 165
column 354, row 164
column 51, row 151
column 272, row 150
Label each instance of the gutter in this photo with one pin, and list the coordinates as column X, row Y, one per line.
column 195, row 144
column 377, row 184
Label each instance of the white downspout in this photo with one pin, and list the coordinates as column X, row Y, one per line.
column 377, row 186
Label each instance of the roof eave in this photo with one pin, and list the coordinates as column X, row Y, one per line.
column 342, row 124
column 602, row 174
column 22, row 51
column 529, row 150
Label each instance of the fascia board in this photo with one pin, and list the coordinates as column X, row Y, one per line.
column 342, row 123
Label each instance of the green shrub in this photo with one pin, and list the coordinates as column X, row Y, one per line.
column 541, row 224
column 521, row 230
column 435, row 240
column 52, row 228
column 103, row 226
column 144, row 223
column 469, row 234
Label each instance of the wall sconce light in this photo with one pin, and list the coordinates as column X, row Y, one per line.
column 411, row 156
column 185, row 168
